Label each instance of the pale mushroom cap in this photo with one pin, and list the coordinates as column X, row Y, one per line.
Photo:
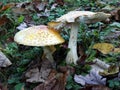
column 72, row 15
column 38, row 36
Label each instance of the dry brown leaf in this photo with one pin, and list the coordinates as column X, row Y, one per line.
column 116, row 50
column 55, row 81
column 39, row 75
column 3, row 87
column 19, row 10
column 116, row 14
column 40, row 6
column 5, row 7
column 104, row 48
column 4, row 61
column 95, row 87
column 3, row 20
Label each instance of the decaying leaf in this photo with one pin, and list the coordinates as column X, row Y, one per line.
column 5, row 7
column 116, row 14
column 40, row 6
column 99, row 65
column 104, row 48
column 3, row 20
column 113, row 69
column 93, row 77
column 39, row 75
column 108, row 8
column 113, row 35
column 95, row 87
column 22, row 26
column 55, row 81
column 4, row 61
column 3, row 87
column 116, row 50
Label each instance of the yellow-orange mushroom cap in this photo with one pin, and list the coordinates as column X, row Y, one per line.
column 38, row 36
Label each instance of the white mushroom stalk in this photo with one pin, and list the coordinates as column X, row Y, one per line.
column 74, row 18
column 72, row 54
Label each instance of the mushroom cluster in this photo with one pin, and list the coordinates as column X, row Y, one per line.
column 44, row 36
column 74, row 18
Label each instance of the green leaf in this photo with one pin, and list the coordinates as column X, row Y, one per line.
column 20, row 19
column 19, row 86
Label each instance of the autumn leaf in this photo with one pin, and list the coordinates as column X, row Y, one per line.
column 104, row 48
column 38, row 75
column 55, row 81
column 3, row 20
column 93, row 77
column 116, row 50
column 95, row 87
column 113, row 69
column 5, row 7
column 4, row 61
column 116, row 14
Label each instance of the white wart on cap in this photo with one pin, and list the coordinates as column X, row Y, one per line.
column 38, row 36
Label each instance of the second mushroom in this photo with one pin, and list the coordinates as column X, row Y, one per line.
column 74, row 18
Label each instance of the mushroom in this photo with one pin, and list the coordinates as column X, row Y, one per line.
column 74, row 18
column 39, row 36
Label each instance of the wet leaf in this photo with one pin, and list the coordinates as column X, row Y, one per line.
column 104, row 48
column 4, row 61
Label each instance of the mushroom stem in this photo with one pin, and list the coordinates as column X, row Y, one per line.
column 48, row 55
column 72, row 56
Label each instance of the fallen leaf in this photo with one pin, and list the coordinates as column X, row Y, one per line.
column 5, row 7
column 93, row 77
column 55, row 81
column 60, row 2
column 39, row 75
column 4, row 61
column 95, row 87
column 3, row 20
column 22, row 26
column 19, row 10
column 108, row 8
column 40, row 6
column 104, row 48
column 112, row 70
column 116, row 50
column 116, row 14
column 3, row 87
